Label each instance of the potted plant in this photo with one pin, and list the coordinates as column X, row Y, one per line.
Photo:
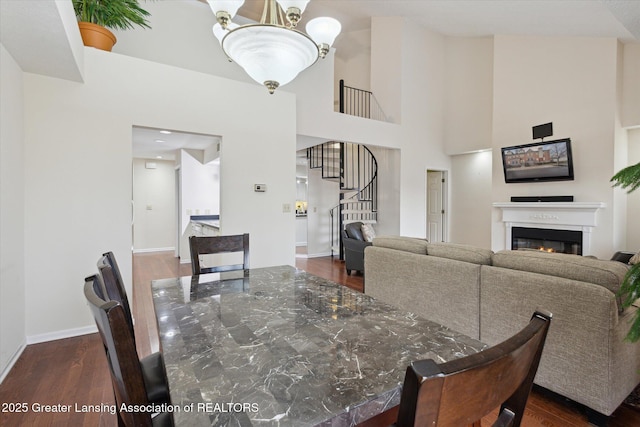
column 96, row 16
column 629, row 179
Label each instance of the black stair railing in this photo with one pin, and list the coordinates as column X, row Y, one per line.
column 356, row 169
column 360, row 103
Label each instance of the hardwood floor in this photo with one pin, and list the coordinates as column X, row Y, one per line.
column 73, row 371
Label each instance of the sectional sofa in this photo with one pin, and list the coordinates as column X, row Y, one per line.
column 490, row 296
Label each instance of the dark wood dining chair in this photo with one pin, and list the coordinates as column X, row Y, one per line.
column 126, row 373
column 218, row 245
column 114, row 284
column 462, row 391
column 153, row 368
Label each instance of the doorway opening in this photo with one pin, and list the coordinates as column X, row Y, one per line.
column 437, row 213
column 175, row 176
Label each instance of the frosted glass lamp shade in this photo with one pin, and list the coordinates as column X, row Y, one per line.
column 324, row 30
column 286, row 4
column 229, row 6
column 220, row 32
column 271, row 55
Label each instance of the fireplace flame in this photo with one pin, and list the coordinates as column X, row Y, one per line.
column 543, row 249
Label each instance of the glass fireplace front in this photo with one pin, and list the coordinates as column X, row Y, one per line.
column 547, row 240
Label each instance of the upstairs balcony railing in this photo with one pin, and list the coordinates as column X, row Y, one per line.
column 360, row 103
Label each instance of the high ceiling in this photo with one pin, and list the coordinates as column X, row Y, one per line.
column 472, row 18
column 37, row 33
column 42, row 36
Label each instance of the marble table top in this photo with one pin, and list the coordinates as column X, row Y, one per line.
column 280, row 347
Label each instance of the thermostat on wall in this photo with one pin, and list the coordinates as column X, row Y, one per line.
column 260, row 188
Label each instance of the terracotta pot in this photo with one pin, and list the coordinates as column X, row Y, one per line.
column 94, row 35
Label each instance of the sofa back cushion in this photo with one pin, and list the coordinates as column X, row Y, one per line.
column 575, row 267
column 458, row 252
column 402, row 243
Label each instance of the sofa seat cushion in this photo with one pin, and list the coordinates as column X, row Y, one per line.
column 575, row 267
column 457, row 252
column 402, row 243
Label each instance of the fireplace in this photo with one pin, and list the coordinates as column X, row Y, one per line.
column 580, row 217
column 547, row 240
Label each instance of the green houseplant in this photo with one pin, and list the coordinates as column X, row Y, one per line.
column 96, row 16
column 629, row 179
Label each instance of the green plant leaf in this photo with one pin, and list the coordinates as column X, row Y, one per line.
column 630, row 292
column 118, row 14
column 628, row 178
column 634, row 332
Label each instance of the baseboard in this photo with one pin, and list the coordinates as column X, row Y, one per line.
column 143, row 251
column 323, row 254
column 12, row 361
column 58, row 335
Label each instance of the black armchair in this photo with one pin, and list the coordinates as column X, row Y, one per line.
column 354, row 244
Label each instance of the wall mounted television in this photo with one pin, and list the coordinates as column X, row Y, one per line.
column 539, row 161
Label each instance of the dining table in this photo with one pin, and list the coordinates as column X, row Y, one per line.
column 277, row 346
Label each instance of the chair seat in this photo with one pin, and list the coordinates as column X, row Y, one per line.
column 163, row 419
column 155, row 379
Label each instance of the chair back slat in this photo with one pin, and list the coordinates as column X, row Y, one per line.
column 124, row 365
column 218, row 245
column 114, row 285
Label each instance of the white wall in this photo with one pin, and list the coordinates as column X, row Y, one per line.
column 387, row 52
column 12, row 280
column 421, row 85
column 353, row 61
column 572, row 83
column 78, row 174
column 469, row 94
column 154, row 205
column 388, row 190
column 633, row 200
column 620, row 157
column 631, row 85
column 181, row 36
column 200, row 190
column 470, row 210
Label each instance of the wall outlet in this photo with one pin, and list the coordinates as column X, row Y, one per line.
column 286, row 208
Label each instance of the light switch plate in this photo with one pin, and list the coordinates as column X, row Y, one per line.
column 259, row 188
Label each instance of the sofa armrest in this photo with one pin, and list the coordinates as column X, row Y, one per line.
column 585, row 339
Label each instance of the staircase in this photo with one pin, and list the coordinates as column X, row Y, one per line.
column 355, row 168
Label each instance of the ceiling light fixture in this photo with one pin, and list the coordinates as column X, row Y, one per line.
column 271, row 52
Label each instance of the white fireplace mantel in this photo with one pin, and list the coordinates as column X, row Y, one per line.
column 576, row 216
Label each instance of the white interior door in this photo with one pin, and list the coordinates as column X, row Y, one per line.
column 435, row 206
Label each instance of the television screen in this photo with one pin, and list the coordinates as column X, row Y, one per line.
column 540, row 161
